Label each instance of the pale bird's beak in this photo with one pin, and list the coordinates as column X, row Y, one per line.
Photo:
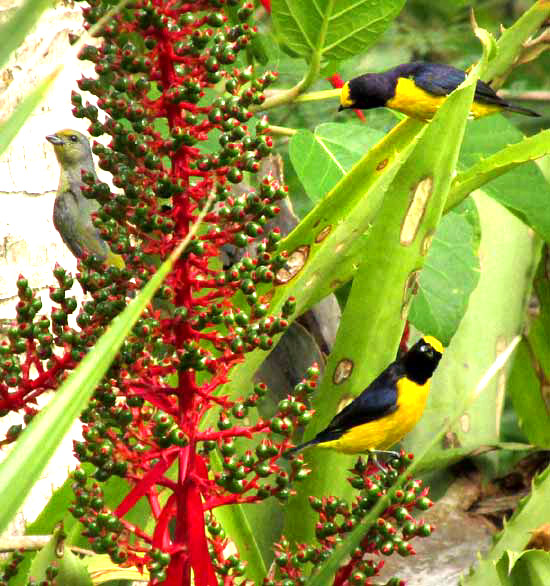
column 54, row 139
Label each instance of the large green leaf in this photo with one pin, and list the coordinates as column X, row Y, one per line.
column 450, row 274
column 333, row 29
column 373, row 319
column 322, row 158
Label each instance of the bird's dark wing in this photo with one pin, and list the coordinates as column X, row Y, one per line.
column 377, row 400
column 441, row 80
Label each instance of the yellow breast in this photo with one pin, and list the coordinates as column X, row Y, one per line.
column 418, row 103
column 386, row 431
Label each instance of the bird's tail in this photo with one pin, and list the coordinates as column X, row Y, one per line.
column 521, row 110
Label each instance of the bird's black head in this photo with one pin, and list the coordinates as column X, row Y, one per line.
column 422, row 359
column 371, row 90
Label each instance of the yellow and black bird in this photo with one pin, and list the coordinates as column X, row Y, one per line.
column 72, row 211
column 418, row 89
column 388, row 408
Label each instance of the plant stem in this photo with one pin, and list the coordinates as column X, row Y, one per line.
column 535, row 95
column 287, row 96
column 282, row 130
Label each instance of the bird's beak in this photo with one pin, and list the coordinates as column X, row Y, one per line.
column 54, row 139
column 341, row 108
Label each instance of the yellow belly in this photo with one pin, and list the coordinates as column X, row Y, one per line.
column 386, row 431
column 418, row 103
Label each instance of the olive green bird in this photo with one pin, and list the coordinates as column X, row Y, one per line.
column 72, row 211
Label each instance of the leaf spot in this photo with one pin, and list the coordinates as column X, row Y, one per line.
column 294, row 264
column 421, row 195
column 342, row 371
column 382, row 164
column 409, row 289
column 426, row 243
column 323, row 234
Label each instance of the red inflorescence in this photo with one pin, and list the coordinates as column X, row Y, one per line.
column 174, row 97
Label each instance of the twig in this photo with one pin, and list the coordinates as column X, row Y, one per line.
column 534, row 95
column 32, row 543
column 282, row 130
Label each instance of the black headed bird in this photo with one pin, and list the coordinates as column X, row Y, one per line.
column 418, row 89
column 387, row 409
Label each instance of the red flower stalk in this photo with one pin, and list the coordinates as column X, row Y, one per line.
column 176, row 109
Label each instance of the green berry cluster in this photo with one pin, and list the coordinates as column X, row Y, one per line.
column 390, row 533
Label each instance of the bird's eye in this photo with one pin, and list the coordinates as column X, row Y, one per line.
column 426, row 349
column 73, row 138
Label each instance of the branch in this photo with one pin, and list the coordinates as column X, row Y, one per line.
column 531, row 96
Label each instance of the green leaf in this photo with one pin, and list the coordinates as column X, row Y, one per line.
column 14, row 31
column 493, row 147
column 530, row 567
column 517, row 532
column 333, row 29
column 450, row 274
column 322, row 158
column 10, row 127
column 373, row 319
column 71, row 570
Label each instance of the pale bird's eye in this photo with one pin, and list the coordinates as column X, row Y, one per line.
column 73, row 138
